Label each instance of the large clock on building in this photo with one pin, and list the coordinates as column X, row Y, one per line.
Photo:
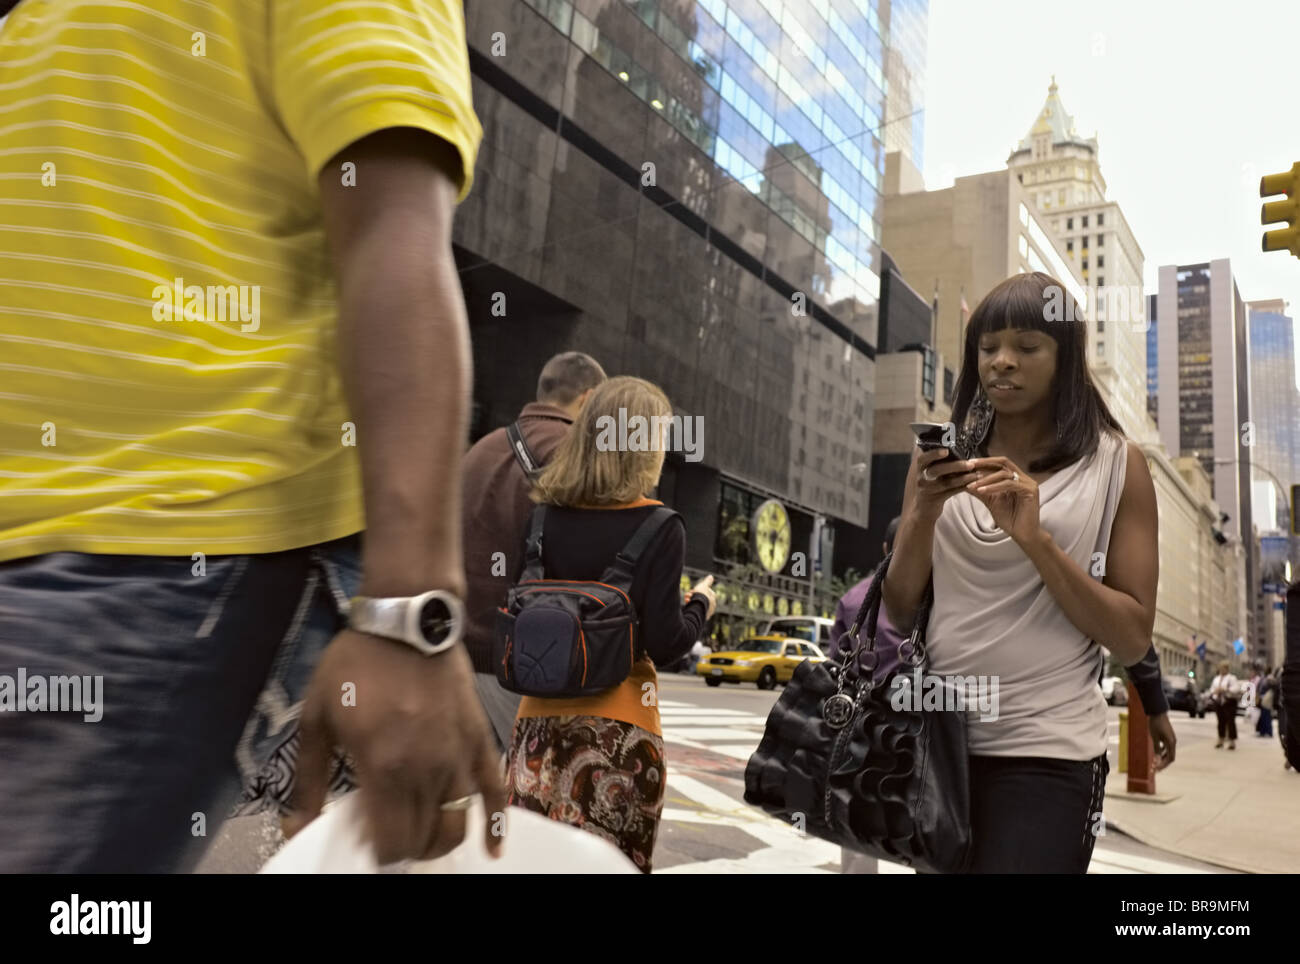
column 772, row 535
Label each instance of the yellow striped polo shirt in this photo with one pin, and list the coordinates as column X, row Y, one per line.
column 168, row 373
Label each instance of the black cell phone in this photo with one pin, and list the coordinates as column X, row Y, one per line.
column 929, row 435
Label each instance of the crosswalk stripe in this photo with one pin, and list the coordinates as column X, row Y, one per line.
column 731, row 734
column 692, row 720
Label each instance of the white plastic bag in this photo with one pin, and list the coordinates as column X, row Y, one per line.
column 333, row 844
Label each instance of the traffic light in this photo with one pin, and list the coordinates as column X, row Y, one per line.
column 1288, row 183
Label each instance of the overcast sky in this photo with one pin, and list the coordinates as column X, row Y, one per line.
column 1191, row 101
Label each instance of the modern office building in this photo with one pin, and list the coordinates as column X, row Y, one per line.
column 1198, row 596
column 905, row 24
column 689, row 191
column 1061, row 172
column 1204, row 389
column 1275, row 404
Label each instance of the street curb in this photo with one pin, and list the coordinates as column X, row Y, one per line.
column 1150, row 841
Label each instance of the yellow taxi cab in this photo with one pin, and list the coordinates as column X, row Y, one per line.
column 765, row 660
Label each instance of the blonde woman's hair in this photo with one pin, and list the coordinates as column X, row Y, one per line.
column 1224, row 667
column 581, row 474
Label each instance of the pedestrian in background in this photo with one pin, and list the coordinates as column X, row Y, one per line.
column 1266, row 695
column 1225, row 691
column 1280, row 705
column 597, row 762
column 496, row 481
column 1010, row 537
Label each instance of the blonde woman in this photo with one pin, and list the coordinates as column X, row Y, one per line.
column 597, row 762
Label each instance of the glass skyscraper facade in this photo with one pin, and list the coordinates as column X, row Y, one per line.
column 1195, row 379
column 906, row 25
column 1275, row 400
column 795, row 85
column 690, row 192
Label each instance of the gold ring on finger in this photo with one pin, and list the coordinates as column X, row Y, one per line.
column 460, row 803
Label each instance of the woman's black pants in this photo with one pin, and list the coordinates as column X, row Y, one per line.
column 1033, row 815
column 1226, row 711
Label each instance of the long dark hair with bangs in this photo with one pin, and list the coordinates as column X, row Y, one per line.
column 1038, row 301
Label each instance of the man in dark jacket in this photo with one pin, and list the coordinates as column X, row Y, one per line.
column 497, row 508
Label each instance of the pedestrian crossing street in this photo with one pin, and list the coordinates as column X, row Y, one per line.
column 708, row 748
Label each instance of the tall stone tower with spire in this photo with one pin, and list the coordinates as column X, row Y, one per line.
column 1061, row 173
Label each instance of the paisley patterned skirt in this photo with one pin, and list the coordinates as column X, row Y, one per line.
column 604, row 776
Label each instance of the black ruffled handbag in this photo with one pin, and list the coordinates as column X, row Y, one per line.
column 862, row 765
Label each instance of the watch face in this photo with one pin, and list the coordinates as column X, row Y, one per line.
column 436, row 621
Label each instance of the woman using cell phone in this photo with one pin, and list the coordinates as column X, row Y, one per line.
column 1043, row 548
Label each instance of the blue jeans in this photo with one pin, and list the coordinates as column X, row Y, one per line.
column 203, row 671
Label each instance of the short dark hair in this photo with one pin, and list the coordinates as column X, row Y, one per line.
column 891, row 530
column 1022, row 301
column 566, row 376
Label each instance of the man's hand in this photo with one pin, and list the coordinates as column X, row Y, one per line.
column 1163, row 739
column 414, row 726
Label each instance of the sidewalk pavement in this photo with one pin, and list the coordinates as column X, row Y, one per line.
column 1235, row 808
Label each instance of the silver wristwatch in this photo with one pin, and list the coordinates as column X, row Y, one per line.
column 432, row 622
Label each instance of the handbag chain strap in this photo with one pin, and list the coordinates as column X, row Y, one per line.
column 869, row 612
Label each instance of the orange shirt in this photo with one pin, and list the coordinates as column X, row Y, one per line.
column 635, row 700
column 626, row 702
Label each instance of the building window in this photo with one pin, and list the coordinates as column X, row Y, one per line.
column 1100, row 280
column 1101, row 325
column 1085, row 264
column 1101, row 218
column 1101, row 261
column 1101, row 240
column 1085, row 242
column 1060, row 197
column 1101, row 348
column 1084, row 222
column 1069, row 224
column 1069, row 246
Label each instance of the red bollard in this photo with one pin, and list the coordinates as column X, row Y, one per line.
column 1141, row 751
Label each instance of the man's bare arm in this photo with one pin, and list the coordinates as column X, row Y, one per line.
column 416, row 730
column 403, row 351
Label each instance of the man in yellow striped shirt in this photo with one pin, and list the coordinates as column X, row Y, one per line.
column 230, row 331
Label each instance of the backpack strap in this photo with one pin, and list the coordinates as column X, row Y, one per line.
column 522, row 453
column 533, row 566
column 624, row 565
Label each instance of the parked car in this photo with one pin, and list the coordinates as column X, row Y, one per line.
column 1182, row 696
column 764, row 660
column 1115, row 690
column 812, row 629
